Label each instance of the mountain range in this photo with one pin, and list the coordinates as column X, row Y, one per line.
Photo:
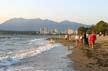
column 21, row 24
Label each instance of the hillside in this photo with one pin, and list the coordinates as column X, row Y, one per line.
column 21, row 24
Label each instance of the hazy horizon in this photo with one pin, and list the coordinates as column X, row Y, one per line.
column 41, row 19
column 82, row 11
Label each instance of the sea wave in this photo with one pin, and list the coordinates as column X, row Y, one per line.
column 15, row 57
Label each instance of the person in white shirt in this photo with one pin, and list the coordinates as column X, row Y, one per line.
column 80, row 40
column 77, row 38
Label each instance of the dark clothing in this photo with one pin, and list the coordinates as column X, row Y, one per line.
column 85, row 40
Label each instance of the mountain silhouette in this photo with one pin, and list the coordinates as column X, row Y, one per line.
column 21, row 24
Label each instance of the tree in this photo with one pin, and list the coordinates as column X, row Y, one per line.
column 102, row 26
column 82, row 30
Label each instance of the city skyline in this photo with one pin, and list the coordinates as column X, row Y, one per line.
column 82, row 11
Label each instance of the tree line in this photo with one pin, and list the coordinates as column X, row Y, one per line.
column 100, row 28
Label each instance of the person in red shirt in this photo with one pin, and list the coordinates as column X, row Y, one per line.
column 92, row 40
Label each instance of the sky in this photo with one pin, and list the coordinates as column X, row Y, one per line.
column 82, row 11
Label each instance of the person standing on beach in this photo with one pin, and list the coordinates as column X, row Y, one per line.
column 77, row 40
column 80, row 40
column 92, row 39
column 85, row 39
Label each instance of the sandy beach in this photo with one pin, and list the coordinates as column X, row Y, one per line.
column 88, row 59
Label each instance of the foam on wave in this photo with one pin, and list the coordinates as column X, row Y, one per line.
column 13, row 58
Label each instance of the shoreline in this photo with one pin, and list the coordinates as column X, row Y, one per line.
column 51, row 60
column 88, row 59
column 63, row 41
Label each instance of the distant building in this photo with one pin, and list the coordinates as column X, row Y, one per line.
column 54, row 31
column 44, row 30
column 69, row 31
column 76, row 32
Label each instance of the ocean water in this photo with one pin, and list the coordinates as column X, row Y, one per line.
column 32, row 53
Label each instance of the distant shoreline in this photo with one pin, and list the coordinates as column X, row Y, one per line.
column 26, row 33
column 63, row 41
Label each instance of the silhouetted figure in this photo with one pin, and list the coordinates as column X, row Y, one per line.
column 85, row 39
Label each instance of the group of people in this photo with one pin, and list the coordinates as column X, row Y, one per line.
column 85, row 39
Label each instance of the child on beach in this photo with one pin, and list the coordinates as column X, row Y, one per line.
column 92, row 39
